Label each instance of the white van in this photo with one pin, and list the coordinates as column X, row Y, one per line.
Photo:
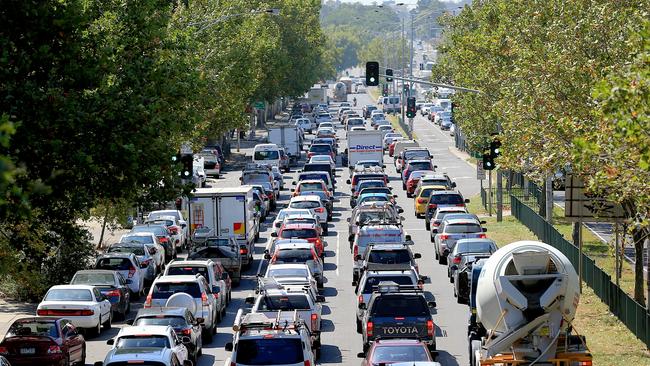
column 267, row 154
column 391, row 104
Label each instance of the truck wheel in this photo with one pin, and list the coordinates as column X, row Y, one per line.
column 436, row 253
column 359, row 326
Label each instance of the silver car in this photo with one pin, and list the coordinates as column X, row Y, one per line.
column 452, row 230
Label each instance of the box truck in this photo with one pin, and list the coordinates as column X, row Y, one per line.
column 228, row 212
column 365, row 145
column 288, row 137
column 317, row 95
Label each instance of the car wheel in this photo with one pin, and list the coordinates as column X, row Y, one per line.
column 442, row 260
column 94, row 332
column 109, row 323
column 451, row 279
column 207, row 335
column 427, row 226
column 435, row 252
column 404, row 187
column 359, row 330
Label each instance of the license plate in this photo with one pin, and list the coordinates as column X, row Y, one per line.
column 27, row 351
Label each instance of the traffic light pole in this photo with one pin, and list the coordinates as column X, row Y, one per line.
column 424, row 82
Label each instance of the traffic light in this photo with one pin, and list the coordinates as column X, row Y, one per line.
column 488, row 162
column 410, row 107
column 372, row 73
column 421, row 66
column 495, row 147
column 176, row 158
column 389, row 75
column 187, row 160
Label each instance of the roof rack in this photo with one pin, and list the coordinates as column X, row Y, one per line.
column 260, row 321
column 265, row 284
column 386, row 287
column 389, row 267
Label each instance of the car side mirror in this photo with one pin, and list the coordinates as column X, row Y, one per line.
column 250, row 300
column 292, row 190
column 152, row 251
column 361, row 355
column 274, row 235
column 130, row 321
column 466, row 200
column 400, row 210
column 483, row 222
column 424, row 278
column 354, row 283
column 188, row 362
column 402, row 218
column 216, row 289
column 420, row 282
column 434, row 231
column 357, row 257
column 362, row 306
column 320, row 298
column 200, row 321
column 453, row 184
column 267, row 256
column 110, row 341
column 293, row 183
column 432, row 304
column 228, row 347
column 485, row 230
column 143, row 265
column 435, row 167
column 348, row 181
column 186, row 339
column 407, row 237
column 394, row 196
column 417, row 256
column 383, row 165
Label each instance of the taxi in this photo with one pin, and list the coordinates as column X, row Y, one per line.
column 422, row 195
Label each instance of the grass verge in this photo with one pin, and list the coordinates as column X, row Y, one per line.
column 609, row 340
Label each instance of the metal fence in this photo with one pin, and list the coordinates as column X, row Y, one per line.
column 631, row 313
column 531, row 194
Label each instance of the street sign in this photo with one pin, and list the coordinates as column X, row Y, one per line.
column 480, row 172
column 583, row 206
column 259, row 105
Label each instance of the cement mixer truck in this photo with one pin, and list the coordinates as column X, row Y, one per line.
column 522, row 304
column 340, row 92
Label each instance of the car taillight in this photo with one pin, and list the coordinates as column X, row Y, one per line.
column 456, row 260
column 432, row 205
column 42, row 312
column 460, row 205
column 53, row 349
column 360, row 299
column 422, row 200
column 436, row 224
column 243, row 251
column 163, row 240
column 430, row 328
column 147, row 302
column 307, row 363
column 216, row 296
column 131, row 271
column 314, row 320
column 187, row 331
column 3, row 350
column 319, row 210
column 444, row 237
column 356, row 251
column 482, row 236
column 370, row 327
column 204, row 299
column 173, row 230
column 113, row 293
column 146, row 262
column 585, row 363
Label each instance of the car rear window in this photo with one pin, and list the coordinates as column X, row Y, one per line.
column 462, row 228
column 293, row 256
column 137, row 239
column 143, row 341
column 420, row 165
column 68, row 295
column 288, row 302
column 126, row 249
column 267, row 155
column 401, row 353
column 389, row 256
column 446, row 199
column 34, row 328
column 166, row 290
column 410, row 154
column 288, row 272
column 414, row 305
column 480, row 247
column 171, row 320
column 188, row 270
column 366, row 184
column 269, row 351
column 304, row 204
column 298, row 233
column 114, row 264
column 373, row 282
column 93, row 279
column 311, row 186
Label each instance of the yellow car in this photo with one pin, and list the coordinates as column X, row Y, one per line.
column 421, row 195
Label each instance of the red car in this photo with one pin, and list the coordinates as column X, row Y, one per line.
column 388, row 351
column 308, row 232
column 43, row 341
column 414, row 179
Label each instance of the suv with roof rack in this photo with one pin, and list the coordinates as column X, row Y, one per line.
column 260, row 340
column 397, row 311
column 387, row 255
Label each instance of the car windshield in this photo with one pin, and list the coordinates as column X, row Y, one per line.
column 126, row 249
column 114, row 264
column 188, row 270
column 69, row 295
column 286, row 302
column 401, row 305
column 293, row 256
column 389, row 256
column 137, row 239
column 474, row 247
column 446, row 199
column 269, row 351
column 287, row 272
column 311, row 186
column 143, row 341
column 45, row 328
column 462, row 228
column 373, row 282
column 298, row 233
column 267, row 155
column 367, row 216
column 171, row 320
column 304, row 204
column 165, row 290
column 93, row 279
column 401, row 353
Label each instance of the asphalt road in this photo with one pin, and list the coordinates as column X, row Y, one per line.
column 340, row 341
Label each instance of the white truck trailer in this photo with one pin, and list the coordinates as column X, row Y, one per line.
column 228, row 212
column 365, row 145
column 317, row 95
column 286, row 136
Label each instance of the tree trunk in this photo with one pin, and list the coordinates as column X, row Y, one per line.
column 101, row 236
column 638, row 235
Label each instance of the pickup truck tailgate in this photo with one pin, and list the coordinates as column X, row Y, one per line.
column 400, row 327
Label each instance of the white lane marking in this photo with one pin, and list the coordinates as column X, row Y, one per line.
column 337, row 254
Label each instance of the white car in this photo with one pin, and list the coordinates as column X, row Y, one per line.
column 130, row 339
column 391, row 137
column 174, row 228
column 326, row 125
column 128, row 265
column 279, row 218
column 311, row 202
column 385, row 129
column 192, row 292
column 150, row 241
column 323, row 159
column 178, row 215
column 323, row 117
column 305, row 124
column 158, row 357
column 83, row 305
column 292, row 274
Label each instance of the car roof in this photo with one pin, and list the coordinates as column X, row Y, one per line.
column 413, row 161
column 73, row 287
column 461, row 221
column 380, row 247
column 380, row 228
column 103, row 271
column 475, row 240
column 161, row 310
column 307, row 197
column 148, row 329
column 286, row 246
column 180, row 278
column 299, row 226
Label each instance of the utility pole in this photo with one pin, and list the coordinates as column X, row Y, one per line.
column 549, row 198
column 403, row 98
column 499, row 196
column 411, row 58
